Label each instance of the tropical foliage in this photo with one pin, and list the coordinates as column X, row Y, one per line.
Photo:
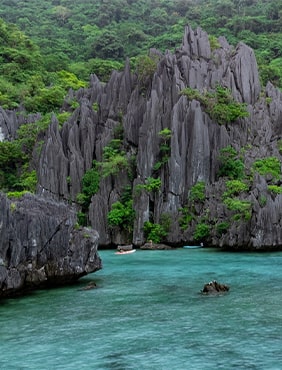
column 219, row 104
column 268, row 166
column 154, row 232
column 71, row 33
column 122, row 215
column 232, row 165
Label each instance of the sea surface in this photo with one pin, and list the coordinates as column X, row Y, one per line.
column 147, row 313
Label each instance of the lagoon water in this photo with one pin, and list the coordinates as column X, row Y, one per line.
column 147, row 313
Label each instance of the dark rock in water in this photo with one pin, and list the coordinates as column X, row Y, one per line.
column 40, row 245
column 213, row 287
column 155, row 246
column 89, row 286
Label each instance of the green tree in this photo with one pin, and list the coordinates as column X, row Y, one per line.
column 230, row 164
column 145, row 68
column 108, row 45
column 100, row 67
column 154, row 231
column 90, row 186
column 62, row 13
column 197, row 192
column 122, row 215
column 202, row 231
column 47, row 100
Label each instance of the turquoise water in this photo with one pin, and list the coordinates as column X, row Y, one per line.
column 147, row 313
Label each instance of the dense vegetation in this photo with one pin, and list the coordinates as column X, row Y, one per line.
column 78, row 29
column 56, row 44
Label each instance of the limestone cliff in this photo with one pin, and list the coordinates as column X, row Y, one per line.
column 41, row 246
column 195, row 144
column 134, row 111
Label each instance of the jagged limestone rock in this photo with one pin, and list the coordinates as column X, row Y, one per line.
column 10, row 121
column 40, row 245
column 195, row 144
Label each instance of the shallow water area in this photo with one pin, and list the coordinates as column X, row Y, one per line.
column 147, row 313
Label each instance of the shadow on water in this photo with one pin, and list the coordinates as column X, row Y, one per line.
column 115, row 361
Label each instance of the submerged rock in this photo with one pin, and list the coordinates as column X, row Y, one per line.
column 155, row 246
column 89, row 286
column 213, row 287
column 40, row 245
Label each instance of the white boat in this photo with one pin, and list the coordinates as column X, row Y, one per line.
column 193, row 246
column 125, row 252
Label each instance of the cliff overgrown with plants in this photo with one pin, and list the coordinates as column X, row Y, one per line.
column 177, row 147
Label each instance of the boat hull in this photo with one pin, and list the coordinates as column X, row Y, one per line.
column 126, row 252
column 192, row 246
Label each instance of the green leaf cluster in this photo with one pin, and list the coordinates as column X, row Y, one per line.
column 234, row 188
column 275, row 189
column 154, row 231
column 197, row 192
column 235, row 204
column 146, row 66
column 214, row 43
column 220, row 105
column 122, row 215
column 102, row 68
column 222, row 227
column 16, row 194
column 241, row 207
column 151, row 185
column 90, row 186
column 268, row 166
column 47, row 99
column 262, row 200
column 114, row 165
column 186, row 218
column 202, row 231
column 114, row 159
column 15, row 174
column 165, row 136
column 230, row 164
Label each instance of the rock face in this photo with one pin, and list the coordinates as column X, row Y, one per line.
column 143, row 109
column 10, row 121
column 40, row 245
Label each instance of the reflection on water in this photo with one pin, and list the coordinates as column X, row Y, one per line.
column 147, row 313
